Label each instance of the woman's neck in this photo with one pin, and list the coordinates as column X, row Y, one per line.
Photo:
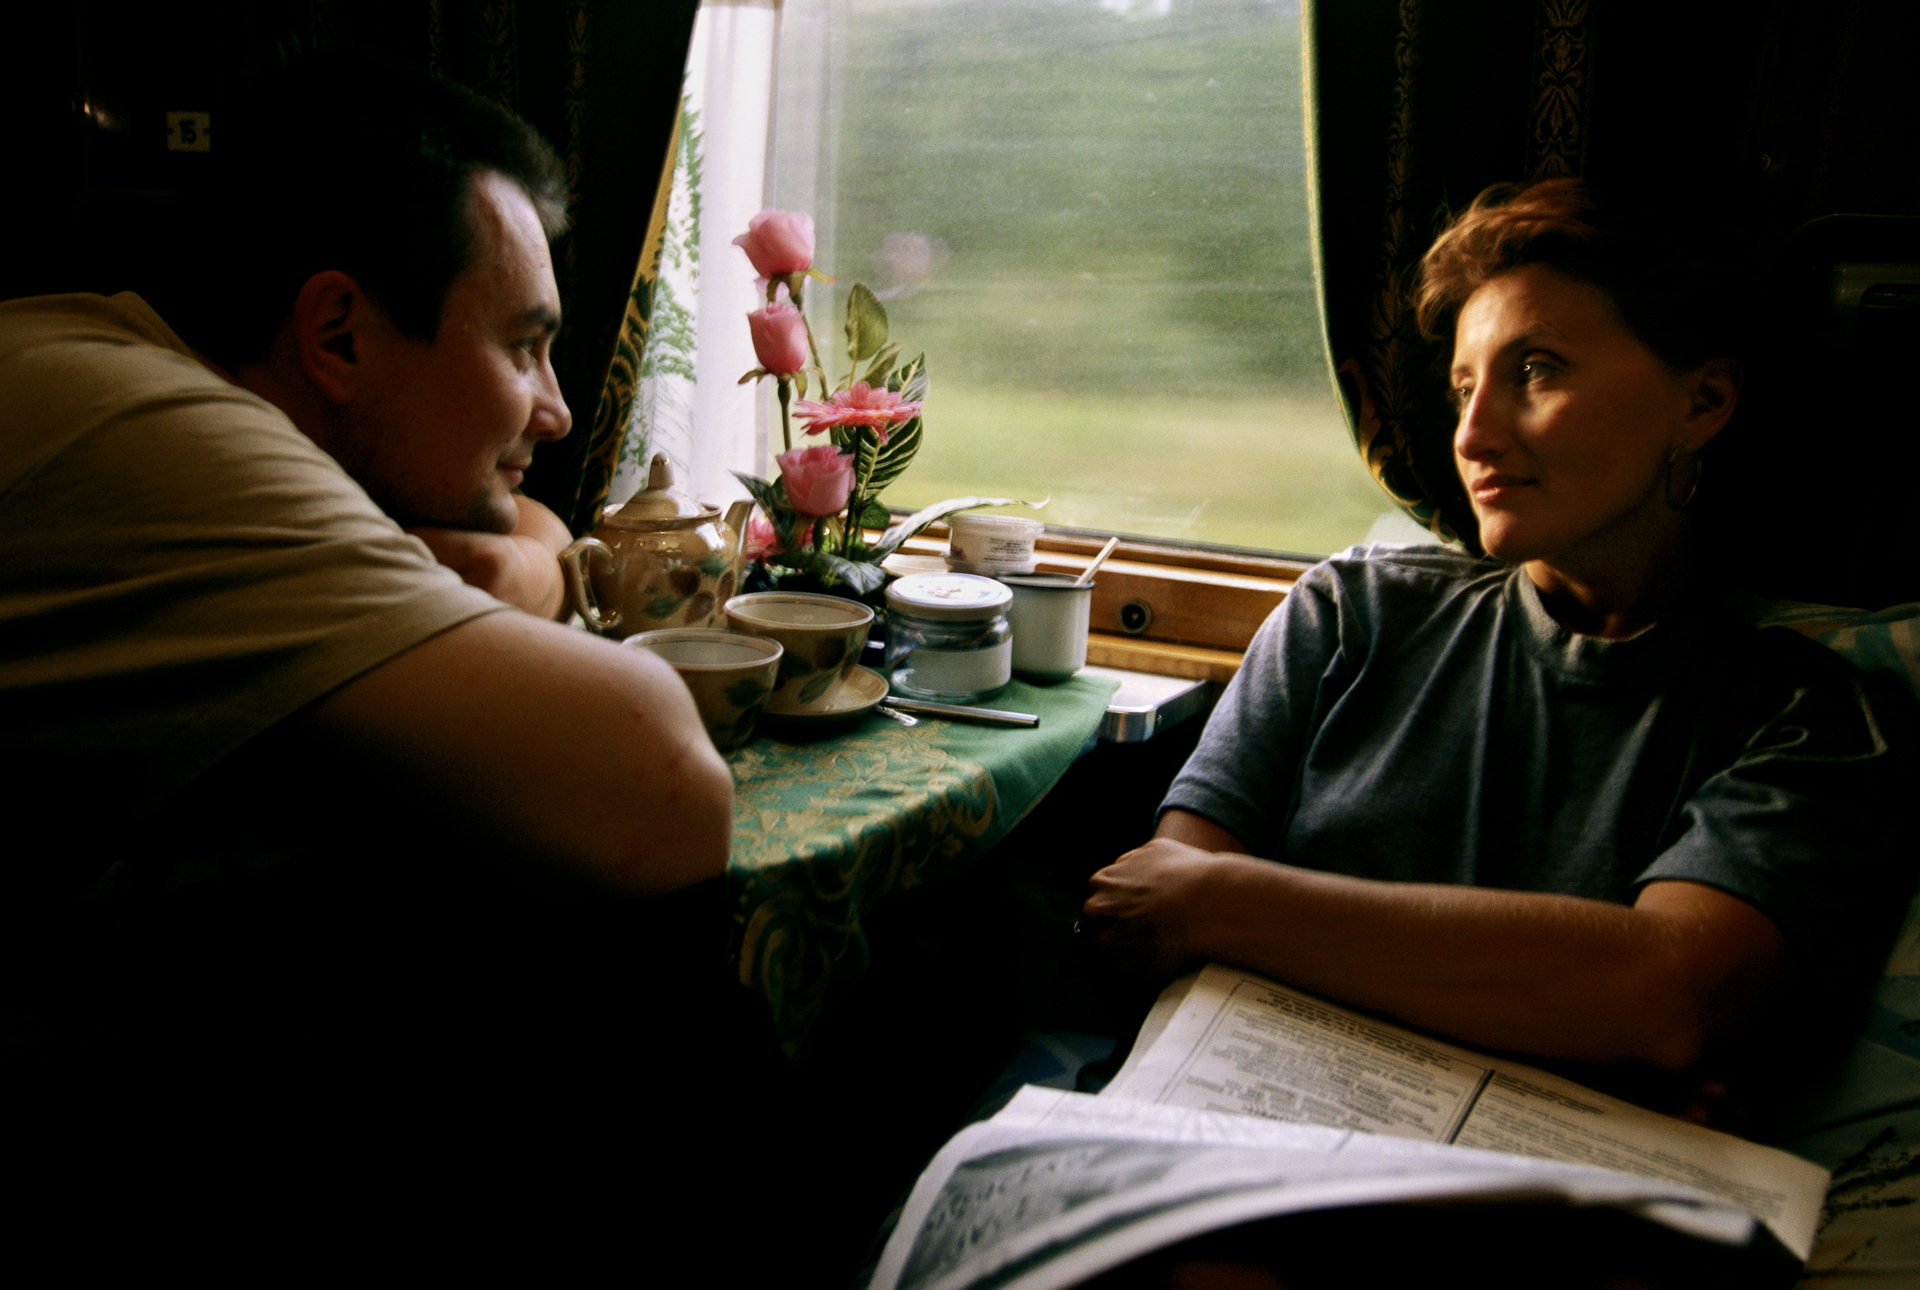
column 1616, row 601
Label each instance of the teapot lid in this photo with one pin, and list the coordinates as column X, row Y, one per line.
column 658, row 505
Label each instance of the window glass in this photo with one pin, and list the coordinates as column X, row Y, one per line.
column 1091, row 215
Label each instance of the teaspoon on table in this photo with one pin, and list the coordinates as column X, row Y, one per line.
column 893, row 705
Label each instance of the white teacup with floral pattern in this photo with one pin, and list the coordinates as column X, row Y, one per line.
column 822, row 637
column 729, row 674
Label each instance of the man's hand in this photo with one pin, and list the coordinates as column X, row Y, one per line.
column 521, row 567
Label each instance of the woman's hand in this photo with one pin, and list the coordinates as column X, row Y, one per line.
column 1158, row 908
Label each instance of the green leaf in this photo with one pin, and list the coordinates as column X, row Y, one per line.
column 772, row 497
column 880, row 465
column 875, row 515
column 910, row 382
column 771, row 494
column 890, row 541
column 866, row 324
column 882, row 365
column 857, row 575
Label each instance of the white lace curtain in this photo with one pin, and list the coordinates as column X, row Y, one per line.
column 690, row 405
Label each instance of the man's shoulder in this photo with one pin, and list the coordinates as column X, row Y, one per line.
column 34, row 322
column 85, row 369
column 81, row 358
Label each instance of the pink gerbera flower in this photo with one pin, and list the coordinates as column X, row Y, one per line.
column 878, row 410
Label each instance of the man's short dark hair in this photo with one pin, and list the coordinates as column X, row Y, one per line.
column 355, row 163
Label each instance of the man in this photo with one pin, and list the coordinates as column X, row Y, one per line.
column 326, row 844
column 190, row 588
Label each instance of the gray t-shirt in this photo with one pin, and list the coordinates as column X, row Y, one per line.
column 1416, row 715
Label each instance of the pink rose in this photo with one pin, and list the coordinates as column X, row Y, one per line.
column 778, row 242
column 878, row 410
column 779, row 338
column 818, row 480
column 761, row 540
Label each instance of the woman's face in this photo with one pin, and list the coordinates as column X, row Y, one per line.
column 1567, row 423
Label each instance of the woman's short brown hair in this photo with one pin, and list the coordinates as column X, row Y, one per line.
column 1664, row 283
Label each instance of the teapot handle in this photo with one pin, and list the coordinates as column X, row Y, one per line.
column 579, row 590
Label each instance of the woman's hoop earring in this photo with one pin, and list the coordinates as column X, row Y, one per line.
column 1699, row 469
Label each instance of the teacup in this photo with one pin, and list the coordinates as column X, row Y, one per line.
column 729, row 674
column 823, row 637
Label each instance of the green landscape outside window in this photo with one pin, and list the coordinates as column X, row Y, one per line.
column 1092, row 216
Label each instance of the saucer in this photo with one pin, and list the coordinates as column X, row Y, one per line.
column 864, row 689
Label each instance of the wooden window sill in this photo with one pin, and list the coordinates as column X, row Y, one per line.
column 1195, row 610
column 1160, row 658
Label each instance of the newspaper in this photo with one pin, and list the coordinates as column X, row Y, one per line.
column 1245, row 1100
column 1061, row 1186
column 1228, row 1040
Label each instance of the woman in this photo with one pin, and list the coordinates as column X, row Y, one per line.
column 1555, row 801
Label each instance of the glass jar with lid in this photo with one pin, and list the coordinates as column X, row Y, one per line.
column 948, row 637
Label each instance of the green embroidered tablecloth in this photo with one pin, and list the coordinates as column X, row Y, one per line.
column 830, row 822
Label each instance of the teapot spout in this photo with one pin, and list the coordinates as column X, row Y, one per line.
column 735, row 529
column 737, row 515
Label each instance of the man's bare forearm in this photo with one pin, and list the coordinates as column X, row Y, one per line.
column 553, row 743
column 521, row 567
column 541, row 538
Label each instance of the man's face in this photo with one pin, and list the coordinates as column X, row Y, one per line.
column 445, row 430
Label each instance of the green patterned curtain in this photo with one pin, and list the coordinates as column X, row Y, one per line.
column 601, row 80
column 1417, row 106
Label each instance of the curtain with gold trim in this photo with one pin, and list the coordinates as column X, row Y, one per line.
column 1416, row 105
column 1749, row 118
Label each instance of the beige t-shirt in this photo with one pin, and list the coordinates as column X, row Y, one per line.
column 180, row 568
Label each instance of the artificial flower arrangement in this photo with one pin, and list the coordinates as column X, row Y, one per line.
column 810, row 530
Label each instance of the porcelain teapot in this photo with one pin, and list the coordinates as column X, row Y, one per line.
column 659, row 560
